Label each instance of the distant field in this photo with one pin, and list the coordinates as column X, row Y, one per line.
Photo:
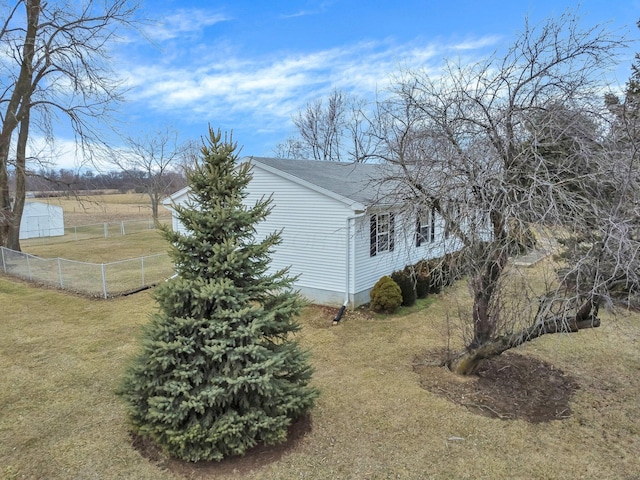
column 84, row 239
column 83, row 210
column 112, row 262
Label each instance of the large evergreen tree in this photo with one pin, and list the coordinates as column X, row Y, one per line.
column 218, row 372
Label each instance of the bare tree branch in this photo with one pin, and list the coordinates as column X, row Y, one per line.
column 154, row 161
column 517, row 142
column 58, row 66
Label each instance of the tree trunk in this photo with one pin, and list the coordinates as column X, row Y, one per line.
column 17, row 112
column 484, row 287
column 154, row 197
column 5, row 198
column 13, row 240
column 468, row 362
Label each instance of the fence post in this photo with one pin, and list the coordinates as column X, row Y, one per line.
column 60, row 273
column 121, row 228
column 106, row 230
column 104, row 280
column 4, row 265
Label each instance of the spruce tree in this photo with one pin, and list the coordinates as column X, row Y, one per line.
column 219, row 372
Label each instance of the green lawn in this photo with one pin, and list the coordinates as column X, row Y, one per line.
column 62, row 357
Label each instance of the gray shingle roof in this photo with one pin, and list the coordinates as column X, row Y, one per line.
column 357, row 182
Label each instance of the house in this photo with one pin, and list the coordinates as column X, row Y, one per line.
column 41, row 220
column 342, row 229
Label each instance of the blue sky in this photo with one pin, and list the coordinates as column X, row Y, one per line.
column 249, row 65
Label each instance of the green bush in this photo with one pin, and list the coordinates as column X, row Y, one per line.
column 386, row 296
column 405, row 282
column 421, row 279
column 521, row 238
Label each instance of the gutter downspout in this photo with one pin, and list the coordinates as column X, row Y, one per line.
column 348, row 243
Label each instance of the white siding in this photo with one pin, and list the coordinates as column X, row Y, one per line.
column 369, row 269
column 176, row 225
column 313, row 231
column 313, row 234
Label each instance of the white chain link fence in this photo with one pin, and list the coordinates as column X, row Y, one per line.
column 94, row 279
column 94, row 230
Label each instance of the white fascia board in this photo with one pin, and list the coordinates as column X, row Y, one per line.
column 170, row 200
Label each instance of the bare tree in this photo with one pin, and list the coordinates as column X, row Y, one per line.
column 155, row 163
column 517, row 142
column 292, row 147
column 333, row 130
column 191, row 151
column 54, row 63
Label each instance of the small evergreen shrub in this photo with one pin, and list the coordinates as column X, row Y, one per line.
column 446, row 271
column 405, row 282
column 421, row 279
column 386, row 296
column 521, row 238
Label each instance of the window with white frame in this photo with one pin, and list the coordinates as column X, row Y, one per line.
column 425, row 227
column 382, row 233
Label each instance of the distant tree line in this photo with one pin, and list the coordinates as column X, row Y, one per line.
column 45, row 182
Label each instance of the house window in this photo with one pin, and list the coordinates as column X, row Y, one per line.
column 382, row 233
column 426, row 227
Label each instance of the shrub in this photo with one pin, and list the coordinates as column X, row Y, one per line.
column 421, row 279
column 435, row 276
column 386, row 295
column 407, row 287
column 446, row 270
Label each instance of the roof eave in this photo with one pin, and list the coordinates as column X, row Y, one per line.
column 352, row 204
column 170, row 200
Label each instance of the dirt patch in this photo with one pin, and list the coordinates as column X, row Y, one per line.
column 324, row 317
column 254, row 459
column 510, row 386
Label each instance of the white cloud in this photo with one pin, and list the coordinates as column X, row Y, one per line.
column 244, row 84
column 63, row 152
column 320, row 8
column 257, row 95
column 46, row 153
column 300, row 13
column 477, row 43
column 183, row 22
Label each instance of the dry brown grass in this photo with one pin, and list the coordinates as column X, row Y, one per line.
column 99, row 250
column 62, row 357
column 89, row 209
